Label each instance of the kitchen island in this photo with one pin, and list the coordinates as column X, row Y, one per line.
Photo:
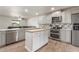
column 35, row 39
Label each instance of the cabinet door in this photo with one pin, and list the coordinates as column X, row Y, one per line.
column 3, row 38
column 41, row 38
column 28, row 40
column 35, row 41
column 68, row 36
column 46, row 35
column 21, row 35
column 63, row 35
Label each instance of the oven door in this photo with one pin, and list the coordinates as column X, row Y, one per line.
column 76, row 26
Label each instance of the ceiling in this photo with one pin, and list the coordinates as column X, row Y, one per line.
column 16, row 11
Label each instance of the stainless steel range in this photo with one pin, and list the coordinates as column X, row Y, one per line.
column 55, row 28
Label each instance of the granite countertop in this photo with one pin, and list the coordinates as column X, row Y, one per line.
column 66, row 29
column 9, row 29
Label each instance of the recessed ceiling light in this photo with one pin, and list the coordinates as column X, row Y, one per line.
column 52, row 8
column 26, row 10
column 37, row 13
column 58, row 12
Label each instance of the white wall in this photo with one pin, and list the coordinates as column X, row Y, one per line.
column 6, row 21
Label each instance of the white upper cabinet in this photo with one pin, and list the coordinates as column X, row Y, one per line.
column 56, row 14
column 66, row 16
column 46, row 19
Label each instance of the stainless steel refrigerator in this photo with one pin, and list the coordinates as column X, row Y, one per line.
column 75, row 30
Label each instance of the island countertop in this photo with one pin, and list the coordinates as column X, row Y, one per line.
column 35, row 30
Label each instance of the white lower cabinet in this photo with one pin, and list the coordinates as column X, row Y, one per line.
column 65, row 36
column 2, row 38
column 21, row 34
column 35, row 40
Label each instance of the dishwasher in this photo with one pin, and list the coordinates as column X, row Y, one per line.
column 11, row 36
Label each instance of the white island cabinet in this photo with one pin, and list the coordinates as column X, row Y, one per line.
column 35, row 39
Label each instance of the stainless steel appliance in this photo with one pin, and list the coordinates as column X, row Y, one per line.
column 54, row 33
column 11, row 36
column 16, row 35
column 55, row 28
column 75, row 31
